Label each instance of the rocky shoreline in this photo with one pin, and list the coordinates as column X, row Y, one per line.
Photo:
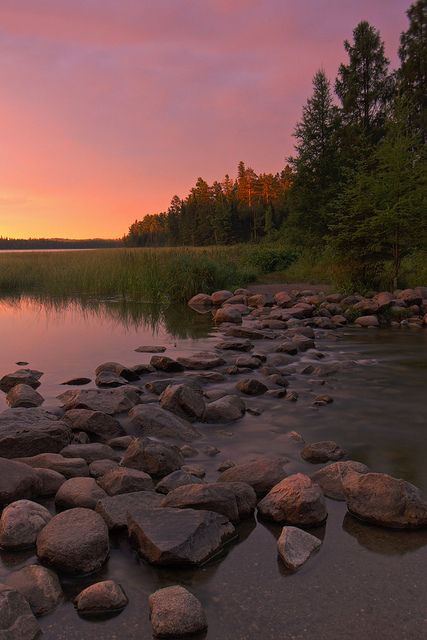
column 122, row 456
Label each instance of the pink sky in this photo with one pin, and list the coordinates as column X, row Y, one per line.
column 110, row 107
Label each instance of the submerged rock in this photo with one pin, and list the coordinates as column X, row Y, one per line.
column 295, row 500
column 324, row 451
column 101, row 598
column 225, row 409
column 155, row 421
column 261, row 474
column 295, row 546
column 40, row 586
column 175, row 612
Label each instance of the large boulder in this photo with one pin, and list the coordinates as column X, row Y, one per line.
column 152, row 420
column 125, row 480
column 68, row 467
column 114, row 509
column 109, row 401
column 295, row 500
column 22, row 395
column 21, row 522
column 228, row 314
column 211, row 497
column 94, row 423
column 178, row 536
column 50, row 481
column 75, row 541
column 330, row 478
column 155, row 458
column 99, row 468
column 225, row 409
column 90, row 452
column 28, row 432
column 17, row 621
column 202, row 360
column 367, row 322
column 175, row 612
column 200, row 300
column 385, row 501
column 324, row 451
column 184, row 401
column 79, row 492
column 40, row 586
column 261, row 474
column 295, row 546
column 219, row 297
column 101, row 598
column 17, row 481
column 30, row 377
column 246, row 498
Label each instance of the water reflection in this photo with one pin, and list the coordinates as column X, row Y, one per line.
column 385, row 541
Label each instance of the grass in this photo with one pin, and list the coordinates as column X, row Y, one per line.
column 146, row 275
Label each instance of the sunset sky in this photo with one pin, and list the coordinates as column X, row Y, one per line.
column 110, row 107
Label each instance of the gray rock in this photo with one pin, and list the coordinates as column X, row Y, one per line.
column 29, row 377
column 114, row 509
column 152, row 420
column 118, row 370
column 210, row 497
column 17, row 621
column 90, row 452
column 50, row 481
column 39, row 586
column 20, row 523
column 176, row 479
column 295, row 500
column 68, row 467
column 151, row 348
column 79, row 492
column 175, row 612
column 28, row 432
column 295, row 547
column 155, row 458
column 101, row 598
column 179, row 536
column 225, row 409
column 202, row 360
column 163, row 363
column 194, row 469
column 124, row 480
column 330, row 478
column 324, row 451
column 235, row 345
column 183, row 401
column 288, row 347
column 17, row 481
column 61, row 543
column 251, row 387
column 22, row 395
column 99, row 468
column 261, row 474
column 109, row 401
column 109, row 380
column 121, row 443
column 95, row 423
column 245, row 495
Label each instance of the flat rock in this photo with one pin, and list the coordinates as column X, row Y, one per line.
column 77, row 382
column 176, row 479
column 61, row 543
column 175, row 612
column 109, row 401
column 68, row 467
column 210, row 497
column 22, row 395
column 125, row 480
column 295, row 546
column 151, row 348
column 261, row 474
column 179, row 536
column 225, row 409
column 152, row 420
column 155, row 458
column 330, row 478
column 295, row 500
column 324, row 451
column 30, row 377
column 234, row 345
column 184, row 401
column 245, row 332
column 95, row 423
column 117, row 369
column 90, row 452
column 20, row 523
column 101, row 598
column 28, row 432
column 17, row 481
column 40, row 586
column 114, row 509
column 79, row 492
column 99, row 468
column 163, row 363
column 17, row 621
column 386, row 501
column 202, row 360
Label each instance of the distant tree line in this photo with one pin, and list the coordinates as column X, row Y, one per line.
column 57, row 243
column 356, row 185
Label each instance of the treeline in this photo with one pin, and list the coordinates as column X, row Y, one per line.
column 57, row 243
column 354, row 193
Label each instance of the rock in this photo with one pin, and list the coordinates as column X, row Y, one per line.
column 17, row 622
column 245, row 332
column 152, row 420
column 211, row 451
column 61, row 543
column 225, row 409
column 79, row 492
column 226, row 464
column 77, row 381
column 184, row 401
column 366, row 307
column 17, row 481
column 386, row 501
column 200, row 300
column 219, row 297
column 210, row 497
column 114, row 509
column 155, row 458
column 303, row 343
column 109, row 380
column 322, row 451
column 235, row 345
column 118, row 370
column 283, row 299
column 29, row 377
column 163, row 363
column 408, row 296
column 50, row 482
column 194, row 469
column 120, row 443
column 176, row 479
column 261, row 474
column 228, row 314
column 22, row 395
column 251, row 387
column 249, row 362
column 28, row 432
column 151, row 348
column 330, row 478
column 123, row 480
column 68, row 467
column 101, row 598
column 287, row 347
column 202, row 360
column 99, row 468
column 367, row 321
column 277, row 379
column 39, row 586
column 178, row 536
column 20, row 523
column 95, row 423
column 295, row 500
column 295, row 547
column 109, row 401
column 246, row 497
column 89, row 452
column 321, row 401
column 175, row 612
column 188, row 451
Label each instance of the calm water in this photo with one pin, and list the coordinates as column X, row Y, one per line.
column 365, row 583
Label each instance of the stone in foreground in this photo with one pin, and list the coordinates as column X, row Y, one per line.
column 17, row 481
column 22, row 395
column 175, row 612
column 79, row 492
column 101, row 598
column 40, row 586
column 75, row 541
column 261, row 474
column 114, row 509
column 295, row 546
column 386, row 501
column 211, row 497
column 17, row 621
column 95, row 423
column 20, row 524
column 330, row 478
column 28, row 432
column 179, row 536
column 29, row 377
column 296, row 500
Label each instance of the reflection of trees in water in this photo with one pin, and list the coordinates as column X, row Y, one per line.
column 178, row 320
